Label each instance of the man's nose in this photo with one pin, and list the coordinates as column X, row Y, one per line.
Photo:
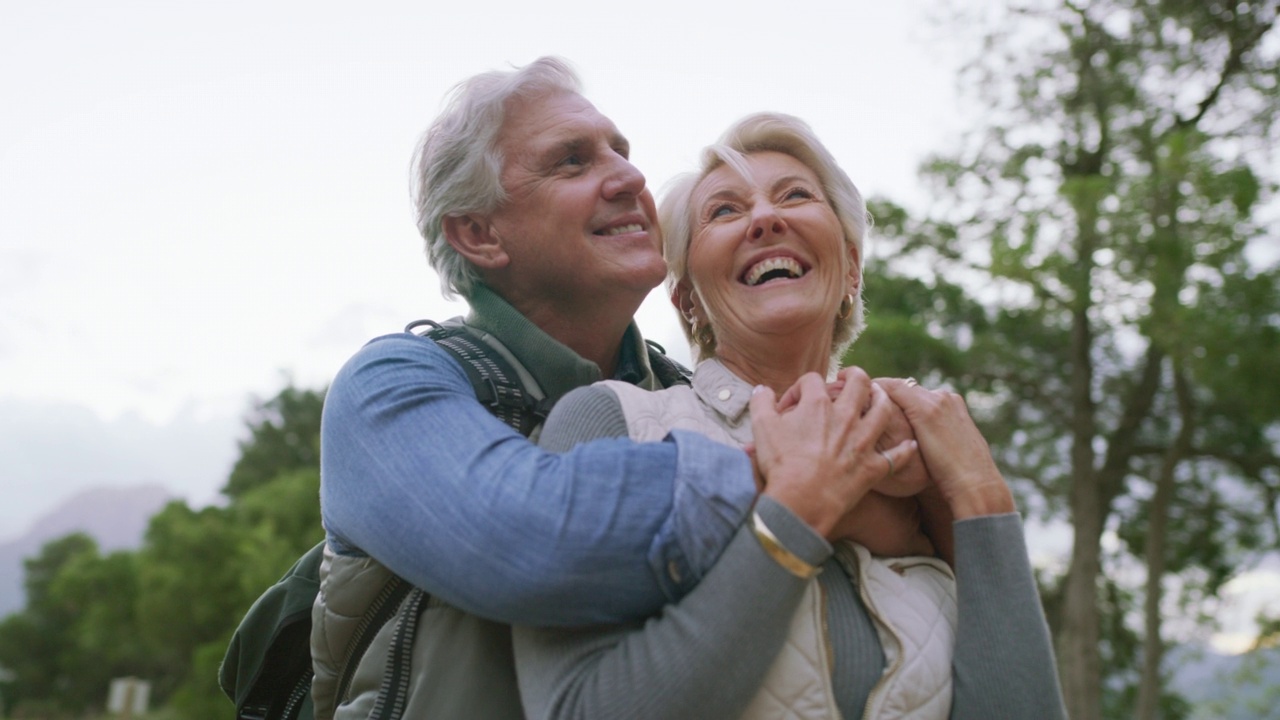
column 624, row 178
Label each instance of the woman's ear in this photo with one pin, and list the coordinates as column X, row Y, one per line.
column 476, row 240
column 855, row 270
column 682, row 297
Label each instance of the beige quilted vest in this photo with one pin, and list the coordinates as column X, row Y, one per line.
column 911, row 600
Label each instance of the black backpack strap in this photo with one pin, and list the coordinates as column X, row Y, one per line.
column 495, row 380
column 498, row 387
column 668, row 372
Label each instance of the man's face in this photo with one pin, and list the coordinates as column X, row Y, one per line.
column 578, row 224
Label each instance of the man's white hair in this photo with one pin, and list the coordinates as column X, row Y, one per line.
column 457, row 166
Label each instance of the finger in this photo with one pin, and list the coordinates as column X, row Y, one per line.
column 810, row 388
column 899, row 456
column 880, row 410
column 756, row 472
column 762, row 405
column 856, row 391
column 893, row 385
column 789, row 399
column 908, row 396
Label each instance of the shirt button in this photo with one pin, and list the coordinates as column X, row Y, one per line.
column 673, row 570
column 724, row 394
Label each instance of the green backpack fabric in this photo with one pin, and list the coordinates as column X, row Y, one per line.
column 267, row 667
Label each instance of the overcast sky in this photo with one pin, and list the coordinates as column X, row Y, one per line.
column 198, row 198
column 194, row 202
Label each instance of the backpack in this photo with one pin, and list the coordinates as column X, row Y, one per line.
column 266, row 670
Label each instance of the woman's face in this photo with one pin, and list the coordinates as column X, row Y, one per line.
column 767, row 256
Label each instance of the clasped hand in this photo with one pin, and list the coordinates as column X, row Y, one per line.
column 824, row 452
column 887, row 464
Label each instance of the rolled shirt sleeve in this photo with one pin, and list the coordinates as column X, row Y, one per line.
column 418, row 475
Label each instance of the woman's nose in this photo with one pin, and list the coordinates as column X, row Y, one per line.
column 765, row 220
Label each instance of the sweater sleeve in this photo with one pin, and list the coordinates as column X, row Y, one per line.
column 702, row 657
column 1004, row 663
column 587, row 413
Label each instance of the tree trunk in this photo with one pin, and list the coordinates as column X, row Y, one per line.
column 1152, row 643
column 1157, row 535
column 1081, row 666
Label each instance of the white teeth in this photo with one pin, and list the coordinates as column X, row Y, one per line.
column 762, row 268
column 623, row 229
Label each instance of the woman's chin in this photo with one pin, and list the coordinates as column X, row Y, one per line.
column 796, row 325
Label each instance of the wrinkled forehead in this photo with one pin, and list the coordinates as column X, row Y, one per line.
column 734, row 173
column 551, row 119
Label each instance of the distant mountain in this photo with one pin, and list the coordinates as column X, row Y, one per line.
column 116, row 517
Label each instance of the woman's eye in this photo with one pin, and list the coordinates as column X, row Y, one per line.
column 799, row 194
column 720, row 211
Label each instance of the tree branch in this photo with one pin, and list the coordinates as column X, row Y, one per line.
column 1120, row 450
column 1234, row 64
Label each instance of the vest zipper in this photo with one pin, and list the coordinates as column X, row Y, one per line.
column 852, row 557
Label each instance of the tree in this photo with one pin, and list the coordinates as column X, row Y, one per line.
column 166, row 612
column 284, row 435
column 79, row 630
column 38, row 645
column 1107, row 209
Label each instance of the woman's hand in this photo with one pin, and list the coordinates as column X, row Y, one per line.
column 907, row 478
column 818, row 456
column 955, row 454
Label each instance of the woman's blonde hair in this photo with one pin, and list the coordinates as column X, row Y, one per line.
column 763, row 132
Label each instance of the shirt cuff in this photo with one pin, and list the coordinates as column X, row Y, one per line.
column 713, row 493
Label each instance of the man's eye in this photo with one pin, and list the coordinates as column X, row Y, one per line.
column 574, row 159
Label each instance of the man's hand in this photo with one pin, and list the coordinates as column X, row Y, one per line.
column 818, row 456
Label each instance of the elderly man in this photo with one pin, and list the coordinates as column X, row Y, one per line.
column 532, row 211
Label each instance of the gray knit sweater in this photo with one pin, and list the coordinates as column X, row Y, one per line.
column 705, row 656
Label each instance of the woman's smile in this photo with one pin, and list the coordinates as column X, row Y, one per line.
column 768, row 255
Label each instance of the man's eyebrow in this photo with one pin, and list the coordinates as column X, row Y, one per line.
column 622, row 144
column 562, row 147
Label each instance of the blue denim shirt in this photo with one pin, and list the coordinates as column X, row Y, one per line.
column 418, row 475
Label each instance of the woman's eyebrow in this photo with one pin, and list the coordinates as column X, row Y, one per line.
column 792, row 179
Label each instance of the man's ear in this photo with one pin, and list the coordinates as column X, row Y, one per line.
column 476, row 240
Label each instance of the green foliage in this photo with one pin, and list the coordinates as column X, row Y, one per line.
column 166, row 612
column 284, row 434
column 1103, row 212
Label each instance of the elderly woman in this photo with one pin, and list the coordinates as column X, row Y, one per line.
column 765, row 250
